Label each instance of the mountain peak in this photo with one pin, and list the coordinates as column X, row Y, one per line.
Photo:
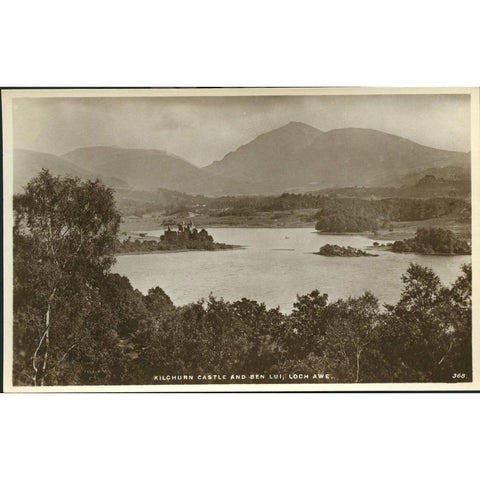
column 299, row 126
column 295, row 122
column 290, row 132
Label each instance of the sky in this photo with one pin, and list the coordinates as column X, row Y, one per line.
column 205, row 129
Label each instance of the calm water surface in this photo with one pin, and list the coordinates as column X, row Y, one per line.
column 275, row 265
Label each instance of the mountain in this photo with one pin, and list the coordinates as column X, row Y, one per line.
column 294, row 158
column 298, row 157
column 150, row 169
column 267, row 157
column 28, row 163
column 141, row 169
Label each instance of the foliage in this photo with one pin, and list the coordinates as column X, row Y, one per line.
column 391, row 209
column 358, row 215
column 211, row 336
column 352, row 328
column 75, row 323
column 433, row 240
column 64, row 238
column 185, row 238
column 427, row 334
column 425, row 337
column 337, row 251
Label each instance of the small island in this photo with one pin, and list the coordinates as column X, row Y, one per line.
column 433, row 241
column 337, row 251
column 186, row 237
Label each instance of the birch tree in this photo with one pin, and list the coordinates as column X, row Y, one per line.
column 351, row 330
column 64, row 240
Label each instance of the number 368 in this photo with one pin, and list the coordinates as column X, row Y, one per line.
column 458, row 375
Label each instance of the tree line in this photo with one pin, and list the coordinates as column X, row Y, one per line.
column 395, row 208
column 76, row 323
column 389, row 209
column 344, row 214
column 358, row 215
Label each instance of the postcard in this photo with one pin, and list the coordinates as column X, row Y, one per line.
column 241, row 239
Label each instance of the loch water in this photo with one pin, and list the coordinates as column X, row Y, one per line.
column 275, row 265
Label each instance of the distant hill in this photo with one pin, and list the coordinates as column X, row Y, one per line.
column 150, row 169
column 142, row 169
column 298, row 156
column 28, row 163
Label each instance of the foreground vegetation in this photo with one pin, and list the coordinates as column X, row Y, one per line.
column 75, row 323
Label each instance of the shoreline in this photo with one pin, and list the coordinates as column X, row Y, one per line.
column 401, row 231
column 389, row 249
column 346, row 256
column 150, row 228
column 181, row 250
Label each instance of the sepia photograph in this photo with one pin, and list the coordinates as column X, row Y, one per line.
column 248, row 239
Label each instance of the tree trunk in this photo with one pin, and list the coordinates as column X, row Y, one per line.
column 358, row 367
column 47, row 344
column 46, row 337
column 35, row 369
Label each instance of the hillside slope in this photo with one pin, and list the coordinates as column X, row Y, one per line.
column 298, row 156
column 28, row 163
column 150, row 169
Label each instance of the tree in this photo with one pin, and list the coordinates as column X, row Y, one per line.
column 456, row 318
column 427, row 334
column 126, row 304
column 305, row 329
column 157, row 301
column 64, row 240
column 259, row 333
column 351, row 330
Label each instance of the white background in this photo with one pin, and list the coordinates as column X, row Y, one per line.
column 248, row 43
